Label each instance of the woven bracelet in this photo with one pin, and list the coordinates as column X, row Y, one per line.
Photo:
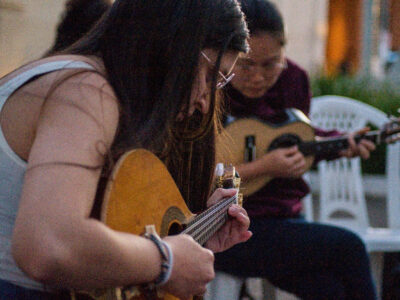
column 166, row 259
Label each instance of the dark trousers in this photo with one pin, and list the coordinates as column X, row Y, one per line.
column 391, row 276
column 310, row 260
column 9, row 291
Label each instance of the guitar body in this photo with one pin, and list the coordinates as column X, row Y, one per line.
column 231, row 146
column 141, row 192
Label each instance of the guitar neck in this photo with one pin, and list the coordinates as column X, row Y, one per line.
column 334, row 145
column 204, row 225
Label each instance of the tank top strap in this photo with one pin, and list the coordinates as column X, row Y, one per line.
column 15, row 83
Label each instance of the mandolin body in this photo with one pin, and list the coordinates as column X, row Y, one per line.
column 140, row 192
column 231, row 146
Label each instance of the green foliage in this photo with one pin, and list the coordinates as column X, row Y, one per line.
column 384, row 95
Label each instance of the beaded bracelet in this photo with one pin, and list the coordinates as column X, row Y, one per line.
column 167, row 258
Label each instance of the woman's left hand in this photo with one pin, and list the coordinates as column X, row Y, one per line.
column 362, row 149
column 235, row 230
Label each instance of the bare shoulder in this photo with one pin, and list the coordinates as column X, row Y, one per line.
column 87, row 97
column 79, row 117
column 60, row 97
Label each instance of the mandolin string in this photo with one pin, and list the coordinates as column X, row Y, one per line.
column 207, row 234
column 207, row 212
column 196, row 230
column 202, row 236
column 204, row 216
column 208, row 224
column 205, row 226
column 336, row 143
column 212, row 218
column 192, row 224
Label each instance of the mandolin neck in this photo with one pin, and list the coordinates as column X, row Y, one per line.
column 333, row 145
column 204, row 225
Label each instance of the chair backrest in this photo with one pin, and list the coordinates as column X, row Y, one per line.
column 308, row 201
column 342, row 200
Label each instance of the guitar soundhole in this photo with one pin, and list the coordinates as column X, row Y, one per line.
column 284, row 141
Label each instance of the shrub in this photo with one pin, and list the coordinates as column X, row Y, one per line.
column 384, row 95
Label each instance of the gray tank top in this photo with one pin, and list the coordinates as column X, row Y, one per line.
column 12, row 170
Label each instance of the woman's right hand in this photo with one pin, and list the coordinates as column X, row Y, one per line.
column 284, row 162
column 192, row 269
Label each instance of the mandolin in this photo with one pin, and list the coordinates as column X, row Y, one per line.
column 249, row 138
column 141, row 196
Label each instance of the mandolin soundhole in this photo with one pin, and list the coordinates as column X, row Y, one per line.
column 284, row 141
column 172, row 221
column 175, row 228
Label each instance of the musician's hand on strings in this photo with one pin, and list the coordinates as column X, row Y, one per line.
column 362, row 149
column 235, row 230
column 285, row 162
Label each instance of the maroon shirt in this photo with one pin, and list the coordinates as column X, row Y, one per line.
column 281, row 197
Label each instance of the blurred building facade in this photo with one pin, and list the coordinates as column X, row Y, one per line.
column 330, row 36
column 363, row 36
column 306, row 30
column 27, row 29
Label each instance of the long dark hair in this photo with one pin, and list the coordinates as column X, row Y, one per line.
column 151, row 51
column 77, row 19
column 263, row 15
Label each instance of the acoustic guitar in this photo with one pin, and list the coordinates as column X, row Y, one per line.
column 246, row 139
column 141, row 196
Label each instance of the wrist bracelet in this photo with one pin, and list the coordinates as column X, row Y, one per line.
column 166, row 259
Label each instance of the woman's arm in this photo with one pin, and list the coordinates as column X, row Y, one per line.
column 66, row 247
column 55, row 241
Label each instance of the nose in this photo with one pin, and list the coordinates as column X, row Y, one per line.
column 257, row 76
column 203, row 103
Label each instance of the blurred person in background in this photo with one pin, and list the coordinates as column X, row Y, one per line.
column 310, row 260
column 77, row 19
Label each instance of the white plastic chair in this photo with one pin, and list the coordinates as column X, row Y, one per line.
column 227, row 287
column 342, row 200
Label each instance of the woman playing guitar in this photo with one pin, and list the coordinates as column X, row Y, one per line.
column 144, row 77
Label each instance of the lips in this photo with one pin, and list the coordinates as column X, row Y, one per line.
column 256, row 90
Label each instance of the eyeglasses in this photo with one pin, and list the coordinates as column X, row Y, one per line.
column 265, row 68
column 223, row 81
